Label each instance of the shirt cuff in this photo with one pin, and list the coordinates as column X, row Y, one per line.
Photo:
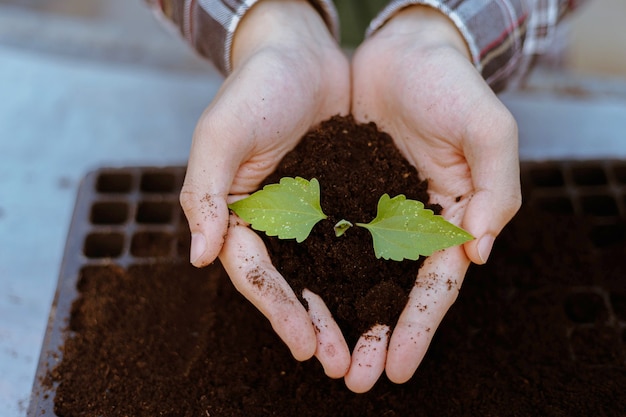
column 209, row 25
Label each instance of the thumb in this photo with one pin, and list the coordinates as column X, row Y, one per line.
column 494, row 167
column 210, row 171
column 485, row 217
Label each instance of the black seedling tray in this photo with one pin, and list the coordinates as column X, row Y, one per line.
column 118, row 210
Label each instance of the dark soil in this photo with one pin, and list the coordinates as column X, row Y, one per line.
column 355, row 165
column 538, row 331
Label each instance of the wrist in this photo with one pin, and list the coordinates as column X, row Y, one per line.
column 278, row 23
column 427, row 24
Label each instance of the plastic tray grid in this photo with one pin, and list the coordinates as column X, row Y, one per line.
column 122, row 216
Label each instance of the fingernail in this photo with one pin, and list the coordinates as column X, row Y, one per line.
column 198, row 246
column 484, row 247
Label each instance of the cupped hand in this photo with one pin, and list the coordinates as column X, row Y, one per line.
column 415, row 79
column 288, row 75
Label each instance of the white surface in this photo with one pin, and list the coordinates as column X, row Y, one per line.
column 568, row 117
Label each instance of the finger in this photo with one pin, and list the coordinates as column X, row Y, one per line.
column 249, row 267
column 213, row 162
column 494, row 164
column 332, row 350
column 436, row 288
column 368, row 359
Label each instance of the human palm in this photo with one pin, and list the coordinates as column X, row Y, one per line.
column 284, row 81
column 418, row 84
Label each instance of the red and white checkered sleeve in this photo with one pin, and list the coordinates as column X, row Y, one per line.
column 501, row 34
column 209, row 25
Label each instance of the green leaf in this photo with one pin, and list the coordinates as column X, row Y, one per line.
column 404, row 229
column 288, row 210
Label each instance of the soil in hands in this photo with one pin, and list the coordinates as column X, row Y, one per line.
column 355, row 165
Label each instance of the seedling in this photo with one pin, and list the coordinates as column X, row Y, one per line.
column 402, row 228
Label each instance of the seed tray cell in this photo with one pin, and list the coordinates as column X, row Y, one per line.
column 134, row 215
column 131, row 217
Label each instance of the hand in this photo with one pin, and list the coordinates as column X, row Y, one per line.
column 414, row 78
column 288, row 75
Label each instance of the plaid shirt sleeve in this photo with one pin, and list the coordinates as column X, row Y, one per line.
column 209, row 25
column 502, row 35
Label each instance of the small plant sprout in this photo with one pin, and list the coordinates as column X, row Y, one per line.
column 402, row 228
column 341, row 226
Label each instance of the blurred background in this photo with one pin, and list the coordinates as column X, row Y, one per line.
column 92, row 83
column 594, row 36
column 597, row 45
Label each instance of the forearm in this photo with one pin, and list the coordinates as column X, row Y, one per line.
column 498, row 33
column 297, row 30
column 432, row 28
column 210, row 26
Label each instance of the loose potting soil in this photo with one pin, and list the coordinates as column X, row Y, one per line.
column 355, row 165
column 538, row 331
